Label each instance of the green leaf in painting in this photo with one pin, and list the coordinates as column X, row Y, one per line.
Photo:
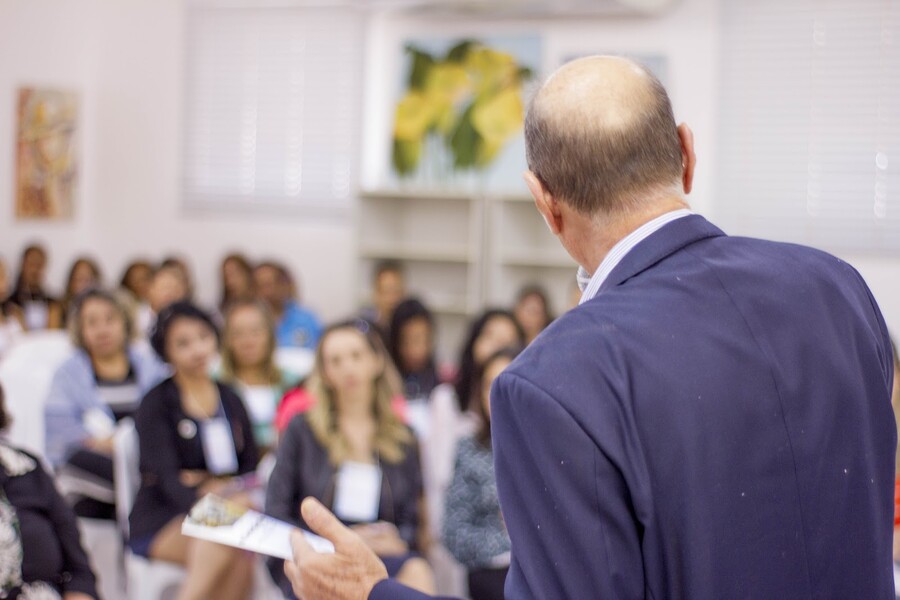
column 405, row 156
column 464, row 141
column 459, row 52
column 420, row 64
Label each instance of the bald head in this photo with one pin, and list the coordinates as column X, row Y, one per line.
column 600, row 135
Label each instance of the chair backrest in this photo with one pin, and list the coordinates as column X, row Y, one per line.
column 126, row 470
column 26, row 373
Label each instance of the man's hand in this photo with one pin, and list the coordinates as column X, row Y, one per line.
column 76, row 596
column 348, row 574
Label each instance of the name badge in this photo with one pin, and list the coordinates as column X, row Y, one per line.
column 218, row 446
column 357, row 493
column 98, row 424
column 261, row 403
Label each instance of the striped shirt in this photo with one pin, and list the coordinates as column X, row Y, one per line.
column 590, row 284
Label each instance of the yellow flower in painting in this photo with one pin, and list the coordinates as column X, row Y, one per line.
column 498, row 117
column 414, row 116
column 448, row 81
column 491, row 69
column 446, row 85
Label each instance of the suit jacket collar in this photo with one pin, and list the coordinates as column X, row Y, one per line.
column 668, row 240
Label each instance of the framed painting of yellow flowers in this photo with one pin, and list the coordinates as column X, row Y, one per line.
column 459, row 115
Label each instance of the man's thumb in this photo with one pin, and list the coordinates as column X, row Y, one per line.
column 322, row 522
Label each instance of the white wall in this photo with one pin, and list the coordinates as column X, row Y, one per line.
column 126, row 59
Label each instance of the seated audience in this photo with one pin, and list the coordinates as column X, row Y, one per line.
column 352, row 453
column 100, row 384
column 295, row 326
column 168, row 286
column 454, row 411
column 532, row 311
column 195, row 438
column 411, row 344
column 237, row 281
column 84, row 274
column 39, row 309
column 180, row 264
column 11, row 318
column 136, row 280
column 135, row 289
column 388, row 289
column 473, row 530
column 40, row 548
column 248, row 365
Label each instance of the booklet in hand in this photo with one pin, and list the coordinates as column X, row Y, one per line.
column 218, row 520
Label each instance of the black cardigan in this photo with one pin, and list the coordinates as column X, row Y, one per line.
column 51, row 545
column 302, row 469
column 167, row 449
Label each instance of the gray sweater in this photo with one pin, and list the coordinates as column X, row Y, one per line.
column 473, row 530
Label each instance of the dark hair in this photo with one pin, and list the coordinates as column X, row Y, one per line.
column 283, row 273
column 172, row 313
column 467, row 366
column 81, row 260
column 18, row 293
column 245, row 266
column 483, row 434
column 180, row 265
column 5, row 419
column 604, row 171
column 406, row 311
column 74, row 316
column 534, row 289
column 387, row 266
column 130, row 269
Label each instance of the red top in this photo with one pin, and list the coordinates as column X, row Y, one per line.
column 299, row 400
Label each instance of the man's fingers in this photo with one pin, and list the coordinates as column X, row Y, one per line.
column 324, row 523
column 302, row 549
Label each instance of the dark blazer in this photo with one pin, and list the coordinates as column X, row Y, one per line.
column 167, row 448
column 51, row 544
column 303, row 469
column 715, row 423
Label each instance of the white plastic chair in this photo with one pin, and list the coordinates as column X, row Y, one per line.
column 26, row 373
column 145, row 579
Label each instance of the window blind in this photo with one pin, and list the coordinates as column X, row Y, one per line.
column 272, row 107
column 810, row 122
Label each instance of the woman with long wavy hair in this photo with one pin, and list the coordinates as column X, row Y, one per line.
column 352, row 452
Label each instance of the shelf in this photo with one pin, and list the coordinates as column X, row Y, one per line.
column 413, row 195
column 451, row 308
column 532, row 258
column 418, row 252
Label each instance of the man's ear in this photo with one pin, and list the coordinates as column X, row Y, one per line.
column 545, row 202
column 688, row 158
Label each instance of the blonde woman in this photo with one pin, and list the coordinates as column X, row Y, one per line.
column 248, row 365
column 352, row 452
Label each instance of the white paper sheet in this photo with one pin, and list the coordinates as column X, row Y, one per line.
column 217, row 520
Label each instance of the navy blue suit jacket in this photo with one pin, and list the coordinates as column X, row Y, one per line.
column 715, row 423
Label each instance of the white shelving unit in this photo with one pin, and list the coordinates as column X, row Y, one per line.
column 522, row 252
column 462, row 253
column 438, row 238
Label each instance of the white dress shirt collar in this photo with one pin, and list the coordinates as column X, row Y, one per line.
column 590, row 284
